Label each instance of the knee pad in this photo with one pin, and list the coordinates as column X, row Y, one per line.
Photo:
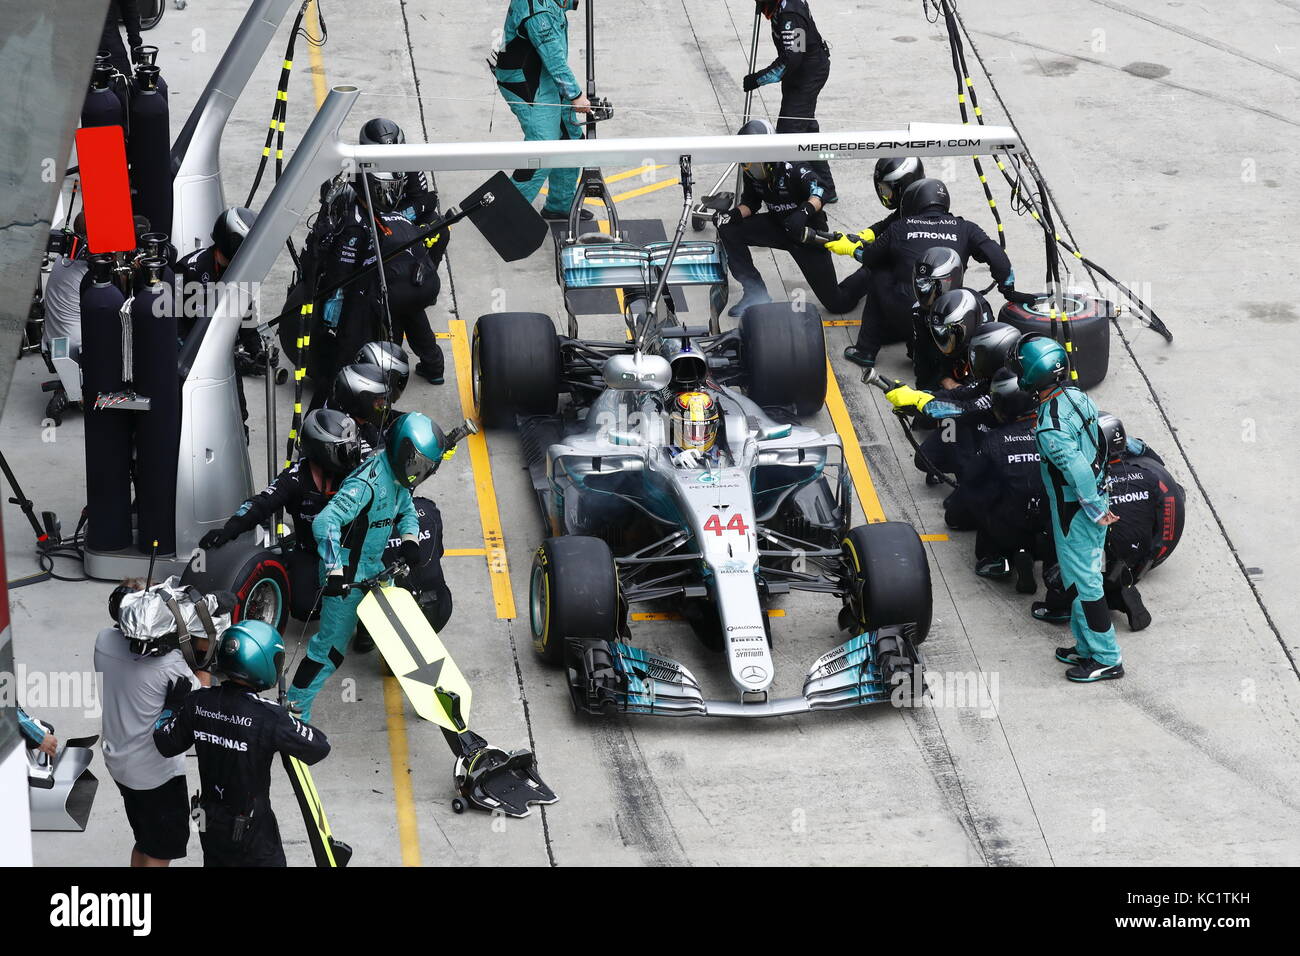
column 1097, row 614
column 306, row 673
column 524, row 175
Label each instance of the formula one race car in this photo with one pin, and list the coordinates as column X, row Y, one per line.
column 763, row 510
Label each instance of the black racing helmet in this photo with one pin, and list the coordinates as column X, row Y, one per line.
column 1112, row 429
column 937, row 272
column 362, row 392
column 955, row 318
column 392, row 360
column 330, row 440
column 925, row 195
column 894, row 175
column 757, row 127
column 230, row 229
column 991, row 348
column 1010, row 401
column 381, row 131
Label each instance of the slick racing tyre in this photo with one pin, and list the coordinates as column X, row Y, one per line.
column 516, row 367
column 889, row 577
column 784, row 353
column 572, row 592
column 257, row 576
column 1089, row 328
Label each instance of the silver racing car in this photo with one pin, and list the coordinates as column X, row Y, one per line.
column 677, row 471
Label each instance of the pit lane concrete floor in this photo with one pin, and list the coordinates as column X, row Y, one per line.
column 1163, row 129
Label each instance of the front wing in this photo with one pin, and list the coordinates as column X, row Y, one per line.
column 610, row 677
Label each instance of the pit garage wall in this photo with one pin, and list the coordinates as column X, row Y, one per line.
column 46, row 53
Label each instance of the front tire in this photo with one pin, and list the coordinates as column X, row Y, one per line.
column 516, row 367
column 257, row 576
column 784, row 352
column 889, row 577
column 572, row 592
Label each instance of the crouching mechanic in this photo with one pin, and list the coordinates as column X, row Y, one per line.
column 236, row 734
column 1149, row 504
column 352, row 532
column 1001, row 492
column 1073, row 465
column 793, row 195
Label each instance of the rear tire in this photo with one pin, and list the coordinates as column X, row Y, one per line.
column 516, row 367
column 784, row 352
column 1089, row 328
column 890, row 577
column 257, row 576
column 572, row 592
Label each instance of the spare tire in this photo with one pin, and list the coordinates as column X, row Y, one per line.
column 1088, row 321
column 890, row 577
column 783, row 349
column 572, row 592
column 516, row 367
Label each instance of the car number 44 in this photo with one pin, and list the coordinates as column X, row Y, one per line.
column 735, row 526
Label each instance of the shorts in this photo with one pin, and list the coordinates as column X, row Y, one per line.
column 159, row 818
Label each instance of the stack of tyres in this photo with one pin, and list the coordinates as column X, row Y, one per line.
column 158, row 430
column 108, row 433
column 1084, row 330
column 148, row 149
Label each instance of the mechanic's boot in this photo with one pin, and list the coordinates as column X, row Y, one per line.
column 996, row 568
column 431, row 372
column 1089, row 671
column 1069, row 655
column 562, row 215
column 1139, row 618
column 755, row 293
column 860, row 358
column 1025, row 583
column 362, row 642
column 1042, row 611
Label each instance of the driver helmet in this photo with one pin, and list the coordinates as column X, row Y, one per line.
column 695, row 421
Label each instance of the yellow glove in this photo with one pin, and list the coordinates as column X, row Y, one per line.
column 907, row 397
column 847, row 245
column 844, row 245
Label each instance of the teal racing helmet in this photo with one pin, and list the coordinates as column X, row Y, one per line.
column 415, row 447
column 251, row 652
column 1040, row 362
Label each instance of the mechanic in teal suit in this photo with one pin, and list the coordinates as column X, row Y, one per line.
column 352, row 531
column 532, row 70
column 1073, row 457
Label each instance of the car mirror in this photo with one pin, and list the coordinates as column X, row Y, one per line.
column 637, row 371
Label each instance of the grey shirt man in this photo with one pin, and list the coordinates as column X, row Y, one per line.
column 133, row 693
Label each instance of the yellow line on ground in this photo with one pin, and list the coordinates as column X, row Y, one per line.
column 853, row 457
column 465, row 552
column 934, row 537
column 408, row 834
column 319, row 86
column 619, row 177
column 489, row 516
column 643, row 190
column 832, row 323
